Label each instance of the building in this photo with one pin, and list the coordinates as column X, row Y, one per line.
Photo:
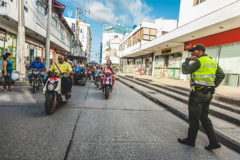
column 35, row 31
column 111, row 32
column 212, row 23
column 130, row 46
column 85, row 37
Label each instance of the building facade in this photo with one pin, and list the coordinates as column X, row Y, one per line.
column 35, row 31
column 111, row 32
column 212, row 23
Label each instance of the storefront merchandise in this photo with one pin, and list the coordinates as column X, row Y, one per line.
column 168, row 65
column 138, row 60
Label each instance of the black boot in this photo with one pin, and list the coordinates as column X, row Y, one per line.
column 212, row 145
column 186, row 141
column 190, row 140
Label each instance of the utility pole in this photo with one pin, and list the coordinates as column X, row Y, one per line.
column 49, row 18
column 21, row 40
column 78, row 13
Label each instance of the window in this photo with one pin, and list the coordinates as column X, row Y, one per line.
column 54, row 20
column 196, row 2
column 40, row 7
column 149, row 34
column 116, row 36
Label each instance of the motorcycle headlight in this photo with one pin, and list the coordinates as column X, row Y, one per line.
column 35, row 72
column 52, row 81
column 107, row 82
column 50, row 87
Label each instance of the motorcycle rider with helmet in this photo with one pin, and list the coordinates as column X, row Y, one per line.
column 108, row 68
column 37, row 64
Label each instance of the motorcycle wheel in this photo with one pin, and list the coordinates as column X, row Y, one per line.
column 34, row 86
column 50, row 103
column 106, row 93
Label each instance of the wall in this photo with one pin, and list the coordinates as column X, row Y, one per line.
column 188, row 12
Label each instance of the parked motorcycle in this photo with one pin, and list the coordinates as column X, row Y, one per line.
column 107, row 85
column 36, row 79
column 53, row 92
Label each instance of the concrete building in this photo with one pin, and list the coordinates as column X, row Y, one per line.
column 213, row 23
column 131, row 44
column 111, row 32
column 35, row 31
column 84, row 36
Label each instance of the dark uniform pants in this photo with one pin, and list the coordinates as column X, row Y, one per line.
column 198, row 110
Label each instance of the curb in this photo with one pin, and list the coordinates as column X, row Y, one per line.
column 24, row 83
column 224, row 139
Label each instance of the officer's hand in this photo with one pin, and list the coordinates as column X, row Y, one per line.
column 193, row 58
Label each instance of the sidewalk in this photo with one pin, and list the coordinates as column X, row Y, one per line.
column 222, row 91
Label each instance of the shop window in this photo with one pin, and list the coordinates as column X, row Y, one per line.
column 10, row 46
column 212, row 52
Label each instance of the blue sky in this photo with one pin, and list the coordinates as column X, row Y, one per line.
column 129, row 12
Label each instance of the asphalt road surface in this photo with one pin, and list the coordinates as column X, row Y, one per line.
column 126, row 126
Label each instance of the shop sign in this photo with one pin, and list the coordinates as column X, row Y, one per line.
column 131, row 60
column 166, row 51
column 216, row 39
column 148, row 55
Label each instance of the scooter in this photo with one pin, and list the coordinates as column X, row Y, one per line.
column 107, row 84
column 53, row 92
column 36, row 79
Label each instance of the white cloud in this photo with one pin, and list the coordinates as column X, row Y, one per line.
column 128, row 11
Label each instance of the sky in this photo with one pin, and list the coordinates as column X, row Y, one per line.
column 129, row 12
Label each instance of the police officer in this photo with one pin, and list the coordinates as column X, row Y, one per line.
column 206, row 75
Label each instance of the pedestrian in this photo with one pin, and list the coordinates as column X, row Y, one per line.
column 135, row 69
column 206, row 75
column 7, row 70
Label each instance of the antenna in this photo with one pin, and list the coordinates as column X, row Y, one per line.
column 69, row 14
column 116, row 21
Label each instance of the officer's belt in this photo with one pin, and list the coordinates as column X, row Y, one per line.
column 203, row 83
column 203, row 76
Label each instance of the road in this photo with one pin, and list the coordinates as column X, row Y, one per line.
column 126, row 126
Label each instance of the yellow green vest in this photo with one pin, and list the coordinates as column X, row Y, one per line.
column 205, row 75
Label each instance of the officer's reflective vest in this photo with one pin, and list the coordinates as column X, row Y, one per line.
column 205, row 75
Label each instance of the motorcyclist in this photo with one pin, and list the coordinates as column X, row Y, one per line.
column 64, row 67
column 108, row 68
column 98, row 69
column 37, row 64
column 70, row 75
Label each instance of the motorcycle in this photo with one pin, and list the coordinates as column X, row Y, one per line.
column 98, row 79
column 107, row 84
column 36, row 79
column 53, row 92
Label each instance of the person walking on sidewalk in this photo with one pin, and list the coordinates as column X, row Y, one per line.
column 206, row 75
column 7, row 70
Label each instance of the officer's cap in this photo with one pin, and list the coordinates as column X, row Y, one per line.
column 197, row 47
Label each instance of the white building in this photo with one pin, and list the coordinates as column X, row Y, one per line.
column 213, row 23
column 112, row 33
column 35, row 31
column 84, row 35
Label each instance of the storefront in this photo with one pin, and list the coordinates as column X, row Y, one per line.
column 147, row 64
column 130, row 65
column 224, row 48
column 168, row 64
column 138, row 60
column 8, row 43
